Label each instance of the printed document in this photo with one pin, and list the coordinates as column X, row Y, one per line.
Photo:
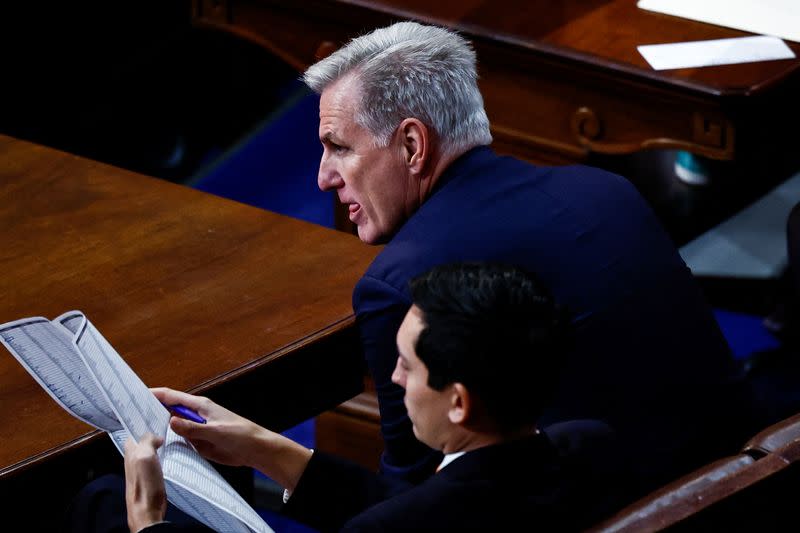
column 83, row 373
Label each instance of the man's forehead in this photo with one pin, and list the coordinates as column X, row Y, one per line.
column 340, row 95
column 414, row 321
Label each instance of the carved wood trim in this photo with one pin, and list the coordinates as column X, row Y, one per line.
column 712, row 137
column 513, row 136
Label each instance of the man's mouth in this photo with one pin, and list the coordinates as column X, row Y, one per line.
column 354, row 209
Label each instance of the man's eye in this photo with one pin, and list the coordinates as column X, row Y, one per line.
column 337, row 148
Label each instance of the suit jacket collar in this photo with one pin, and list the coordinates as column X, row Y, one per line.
column 535, row 452
column 467, row 161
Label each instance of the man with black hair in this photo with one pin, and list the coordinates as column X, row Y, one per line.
column 479, row 352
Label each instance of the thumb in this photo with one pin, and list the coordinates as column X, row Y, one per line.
column 151, row 441
column 185, row 428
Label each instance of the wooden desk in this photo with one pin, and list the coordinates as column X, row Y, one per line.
column 561, row 80
column 196, row 292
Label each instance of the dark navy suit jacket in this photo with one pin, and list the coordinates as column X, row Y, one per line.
column 528, row 484
column 648, row 357
column 514, row 486
column 546, row 481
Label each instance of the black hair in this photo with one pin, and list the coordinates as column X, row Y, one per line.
column 496, row 330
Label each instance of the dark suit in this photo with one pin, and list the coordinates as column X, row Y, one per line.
column 648, row 357
column 541, row 481
column 515, row 486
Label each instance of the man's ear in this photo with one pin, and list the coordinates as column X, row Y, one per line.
column 416, row 144
column 460, row 404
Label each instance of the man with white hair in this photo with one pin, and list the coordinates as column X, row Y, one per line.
column 405, row 142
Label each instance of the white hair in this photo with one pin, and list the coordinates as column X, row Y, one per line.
column 408, row 70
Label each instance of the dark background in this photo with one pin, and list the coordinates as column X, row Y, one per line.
column 131, row 84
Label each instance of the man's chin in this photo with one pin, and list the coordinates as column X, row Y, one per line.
column 369, row 235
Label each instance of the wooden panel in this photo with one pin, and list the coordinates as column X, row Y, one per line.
column 194, row 291
column 572, row 109
column 734, row 493
column 564, row 80
column 352, row 432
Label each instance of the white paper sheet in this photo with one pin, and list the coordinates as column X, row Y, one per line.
column 780, row 18
column 715, row 52
column 83, row 373
column 46, row 351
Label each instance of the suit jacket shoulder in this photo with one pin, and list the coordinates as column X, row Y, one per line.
column 515, row 485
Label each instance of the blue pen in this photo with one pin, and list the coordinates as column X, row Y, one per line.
column 184, row 412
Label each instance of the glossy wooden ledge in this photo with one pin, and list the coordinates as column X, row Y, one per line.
column 196, row 292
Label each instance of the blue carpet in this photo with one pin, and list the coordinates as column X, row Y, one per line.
column 745, row 333
column 275, row 166
column 771, row 364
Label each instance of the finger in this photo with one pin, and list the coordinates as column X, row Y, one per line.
column 203, row 447
column 128, row 458
column 129, row 446
column 165, row 394
column 151, row 442
column 174, row 397
column 186, row 428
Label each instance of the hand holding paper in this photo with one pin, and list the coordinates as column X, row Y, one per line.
column 83, row 373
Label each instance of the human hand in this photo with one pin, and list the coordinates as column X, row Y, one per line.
column 145, row 494
column 225, row 438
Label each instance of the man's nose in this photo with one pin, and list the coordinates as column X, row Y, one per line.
column 328, row 179
column 397, row 375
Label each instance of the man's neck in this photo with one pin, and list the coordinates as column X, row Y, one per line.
column 470, row 440
column 437, row 167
